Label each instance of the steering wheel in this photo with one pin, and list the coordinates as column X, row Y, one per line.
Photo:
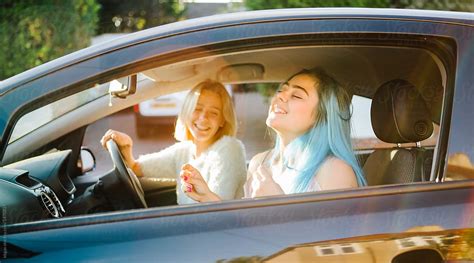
column 126, row 176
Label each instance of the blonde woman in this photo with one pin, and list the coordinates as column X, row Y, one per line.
column 205, row 129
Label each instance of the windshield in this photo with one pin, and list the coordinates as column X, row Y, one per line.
column 41, row 116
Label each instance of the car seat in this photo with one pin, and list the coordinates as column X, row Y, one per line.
column 399, row 114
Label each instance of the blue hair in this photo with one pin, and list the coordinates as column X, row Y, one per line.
column 329, row 136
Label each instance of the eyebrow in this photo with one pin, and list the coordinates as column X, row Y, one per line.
column 297, row 87
column 212, row 107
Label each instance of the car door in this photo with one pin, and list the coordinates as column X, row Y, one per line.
column 257, row 228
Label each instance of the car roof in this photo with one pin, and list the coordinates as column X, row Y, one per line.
column 234, row 19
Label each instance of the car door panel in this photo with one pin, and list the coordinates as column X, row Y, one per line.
column 204, row 234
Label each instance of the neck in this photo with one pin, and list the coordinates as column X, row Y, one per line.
column 202, row 146
column 286, row 139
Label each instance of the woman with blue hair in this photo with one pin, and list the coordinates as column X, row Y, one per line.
column 310, row 114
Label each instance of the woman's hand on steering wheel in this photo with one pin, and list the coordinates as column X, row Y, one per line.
column 124, row 143
column 121, row 139
column 127, row 178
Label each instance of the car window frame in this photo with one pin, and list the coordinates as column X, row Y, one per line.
column 327, row 23
column 446, row 113
column 368, row 39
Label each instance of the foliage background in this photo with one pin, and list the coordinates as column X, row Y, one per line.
column 34, row 32
column 118, row 16
column 451, row 5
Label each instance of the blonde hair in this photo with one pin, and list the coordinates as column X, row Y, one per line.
column 182, row 133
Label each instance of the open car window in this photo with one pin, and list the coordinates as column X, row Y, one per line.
column 251, row 77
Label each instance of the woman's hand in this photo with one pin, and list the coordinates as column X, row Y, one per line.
column 123, row 140
column 263, row 183
column 194, row 186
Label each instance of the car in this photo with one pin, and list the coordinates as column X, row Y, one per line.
column 413, row 67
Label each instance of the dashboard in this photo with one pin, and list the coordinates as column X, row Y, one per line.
column 41, row 188
column 37, row 188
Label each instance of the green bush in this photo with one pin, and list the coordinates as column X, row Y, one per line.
column 34, row 32
column 271, row 4
column 118, row 16
column 452, row 5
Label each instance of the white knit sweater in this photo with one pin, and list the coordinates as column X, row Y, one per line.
column 222, row 166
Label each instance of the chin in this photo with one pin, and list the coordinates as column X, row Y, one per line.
column 274, row 123
column 271, row 121
column 204, row 138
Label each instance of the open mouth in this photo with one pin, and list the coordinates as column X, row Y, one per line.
column 279, row 110
column 201, row 128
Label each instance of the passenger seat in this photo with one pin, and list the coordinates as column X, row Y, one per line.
column 399, row 114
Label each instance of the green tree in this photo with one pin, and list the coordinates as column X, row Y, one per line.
column 449, row 5
column 117, row 16
column 34, row 32
column 452, row 5
column 271, row 4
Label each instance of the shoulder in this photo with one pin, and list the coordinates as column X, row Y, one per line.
column 336, row 174
column 227, row 144
column 226, row 151
column 336, row 164
column 228, row 141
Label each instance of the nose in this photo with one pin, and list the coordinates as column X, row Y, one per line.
column 202, row 115
column 282, row 96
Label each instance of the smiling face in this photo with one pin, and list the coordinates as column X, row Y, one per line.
column 206, row 118
column 293, row 108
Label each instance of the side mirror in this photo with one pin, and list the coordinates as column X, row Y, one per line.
column 86, row 161
column 123, row 87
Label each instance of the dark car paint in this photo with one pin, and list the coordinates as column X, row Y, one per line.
column 248, row 227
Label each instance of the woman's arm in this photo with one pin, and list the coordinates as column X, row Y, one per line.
column 163, row 164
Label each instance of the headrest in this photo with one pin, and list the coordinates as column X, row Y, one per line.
column 399, row 114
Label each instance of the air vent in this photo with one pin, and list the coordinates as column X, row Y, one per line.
column 49, row 204
column 26, row 181
column 57, row 203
